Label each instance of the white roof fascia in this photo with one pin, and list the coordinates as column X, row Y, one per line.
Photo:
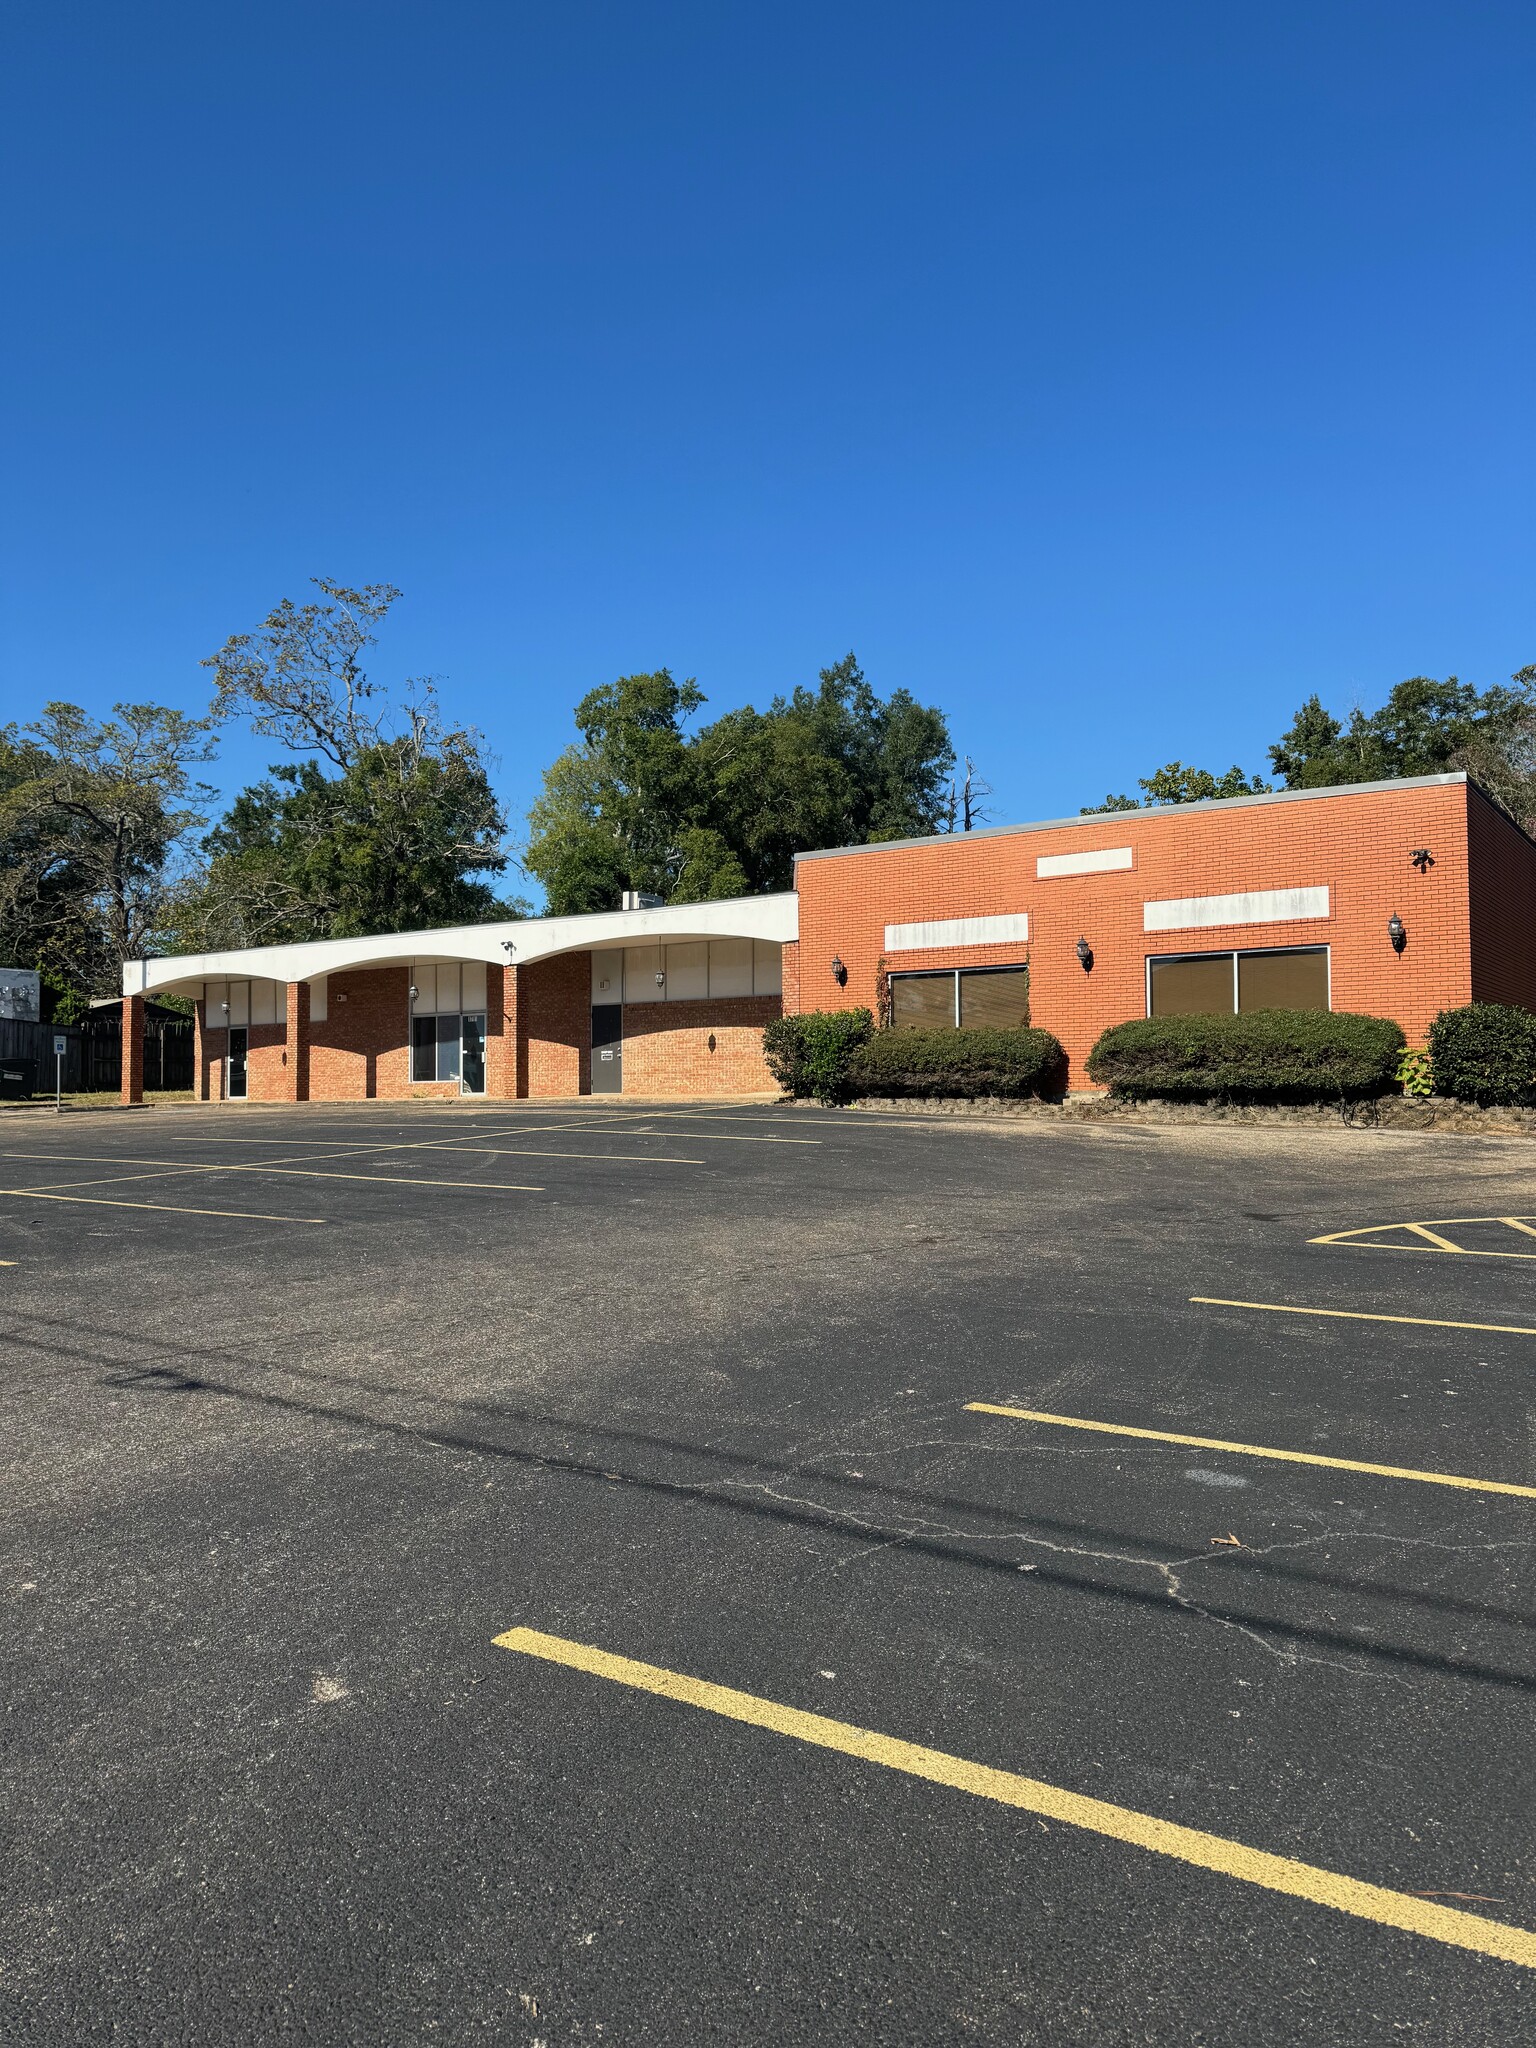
column 518, row 942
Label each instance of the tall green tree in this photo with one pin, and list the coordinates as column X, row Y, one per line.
column 1425, row 727
column 1176, row 784
column 97, row 818
column 640, row 804
column 389, row 824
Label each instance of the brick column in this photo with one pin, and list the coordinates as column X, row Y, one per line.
column 200, row 1090
column 133, row 1051
column 296, row 1044
column 501, row 1064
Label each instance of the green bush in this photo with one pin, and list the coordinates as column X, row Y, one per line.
column 956, row 1063
column 809, row 1054
column 1257, row 1056
column 1485, row 1053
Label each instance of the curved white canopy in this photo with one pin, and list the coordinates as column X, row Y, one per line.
column 518, row 942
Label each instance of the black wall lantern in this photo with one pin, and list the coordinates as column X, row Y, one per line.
column 1085, row 954
column 839, row 972
column 1397, row 932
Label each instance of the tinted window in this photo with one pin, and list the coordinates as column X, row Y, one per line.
column 1195, row 985
column 423, row 1048
column 1283, row 981
column 997, row 1000
column 922, row 1002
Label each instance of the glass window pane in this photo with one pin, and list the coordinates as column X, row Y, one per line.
column 922, row 1002
column 474, row 1055
column 1199, row 984
column 447, row 1048
column 423, row 1048
column 1283, row 981
column 995, row 1001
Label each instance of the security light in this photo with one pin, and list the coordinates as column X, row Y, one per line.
column 1422, row 859
column 1397, row 932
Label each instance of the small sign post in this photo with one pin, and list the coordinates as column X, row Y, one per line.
column 60, row 1045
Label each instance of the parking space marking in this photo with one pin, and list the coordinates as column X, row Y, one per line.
column 1360, row 1315
column 170, row 1208
column 1032, row 1795
column 1212, row 1443
column 1429, row 1235
column 279, row 1167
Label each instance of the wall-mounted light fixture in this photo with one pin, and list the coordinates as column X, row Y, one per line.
column 1397, row 932
column 1085, row 954
column 661, row 980
column 413, row 991
column 839, row 972
column 1422, row 859
column 509, row 947
column 225, row 1008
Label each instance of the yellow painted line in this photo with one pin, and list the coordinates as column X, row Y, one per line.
column 544, row 1152
column 1440, row 1243
column 170, row 1208
column 1360, row 1315
column 1214, row 1443
column 1428, row 1232
column 403, row 1180
column 1032, row 1795
column 274, row 1166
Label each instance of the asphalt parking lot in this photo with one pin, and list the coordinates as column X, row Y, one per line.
column 570, row 1574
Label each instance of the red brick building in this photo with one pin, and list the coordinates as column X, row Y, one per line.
column 1396, row 898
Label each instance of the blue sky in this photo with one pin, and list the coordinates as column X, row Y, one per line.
column 1113, row 376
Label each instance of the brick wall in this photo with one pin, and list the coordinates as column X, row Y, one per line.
column 1358, row 844
column 1502, row 906
column 704, row 1048
column 554, row 1026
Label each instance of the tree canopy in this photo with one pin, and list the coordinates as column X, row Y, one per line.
column 97, row 818
column 389, row 825
column 1425, row 727
column 638, row 803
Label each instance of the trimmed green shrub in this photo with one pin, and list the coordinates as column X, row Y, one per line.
column 1256, row 1056
column 1485, row 1053
column 809, row 1054
column 966, row 1063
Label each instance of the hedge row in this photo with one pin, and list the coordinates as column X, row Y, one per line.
column 1255, row 1056
column 1484, row 1053
column 837, row 1054
column 964, row 1064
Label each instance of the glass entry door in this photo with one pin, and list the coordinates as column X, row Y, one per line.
column 239, row 1040
column 472, row 1062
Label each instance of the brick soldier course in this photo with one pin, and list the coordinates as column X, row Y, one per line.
column 1297, row 869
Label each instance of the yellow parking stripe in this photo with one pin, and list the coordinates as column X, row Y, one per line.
column 1360, row 1315
column 1214, row 1443
column 170, row 1208
column 1031, row 1795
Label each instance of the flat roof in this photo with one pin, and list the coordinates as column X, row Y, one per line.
column 1102, row 820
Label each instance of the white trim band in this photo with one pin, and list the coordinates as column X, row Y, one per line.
column 1253, row 906
column 1103, row 860
column 956, row 931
